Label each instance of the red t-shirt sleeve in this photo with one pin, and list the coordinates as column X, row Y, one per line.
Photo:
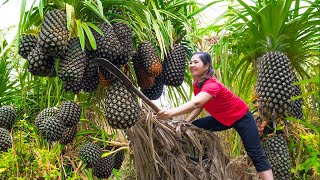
column 211, row 88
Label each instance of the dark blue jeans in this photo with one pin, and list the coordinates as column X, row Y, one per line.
column 248, row 131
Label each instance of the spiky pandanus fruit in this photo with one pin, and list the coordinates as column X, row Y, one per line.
column 103, row 168
column 156, row 90
column 39, row 64
column 118, row 159
column 91, row 69
column 69, row 113
column 7, row 117
column 51, row 129
column 5, row 139
column 296, row 109
column 73, row 86
column 144, row 81
column 27, row 44
column 87, row 84
column 90, row 153
column 68, row 135
column 106, row 73
column 121, row 108
column 149, row 60
column 277, row 153
column 90, row 84
column 174, row 67
column 108, row 46
column 124, row 34
column 53, row 35
column 274, row 85
column 45, row 113
column 73, row 64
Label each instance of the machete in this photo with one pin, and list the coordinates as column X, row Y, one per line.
column 126, row 81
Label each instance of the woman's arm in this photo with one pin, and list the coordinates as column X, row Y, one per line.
column 197, row 102
column 193, row 114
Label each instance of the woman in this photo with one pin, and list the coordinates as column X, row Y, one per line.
column 226, row 110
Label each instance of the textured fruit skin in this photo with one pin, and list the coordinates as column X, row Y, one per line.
column 90, row 84
column 149, row 60
column 39, row 64
column 27, row 43
column 69, row 113
column 106, row 73
column 296, row 105
column 277, row 153
column 51, row 129
column 72, row 86
column 45, row 113
column 90, row 81
column 121, row 108
column 72, row 66
column 7, row 117
column 124, row 34
column 90, row 153
column 91, row 69
column 143, row 79
column 68, row 135
column 118, row 159
column 108, row 46
column 5, row 140
column 174, row 67
column 103, row 168
column 274, row 85
column 156, row 90
column 53, row 35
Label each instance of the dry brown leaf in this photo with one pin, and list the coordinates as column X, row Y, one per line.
column 178, row 150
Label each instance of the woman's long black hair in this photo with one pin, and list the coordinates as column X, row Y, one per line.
column 206, row 59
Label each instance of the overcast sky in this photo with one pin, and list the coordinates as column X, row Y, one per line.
column 9, row 14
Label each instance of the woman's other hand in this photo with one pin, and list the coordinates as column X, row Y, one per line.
column 164, row 114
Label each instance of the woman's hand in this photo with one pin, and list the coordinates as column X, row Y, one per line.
column 165, row 114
